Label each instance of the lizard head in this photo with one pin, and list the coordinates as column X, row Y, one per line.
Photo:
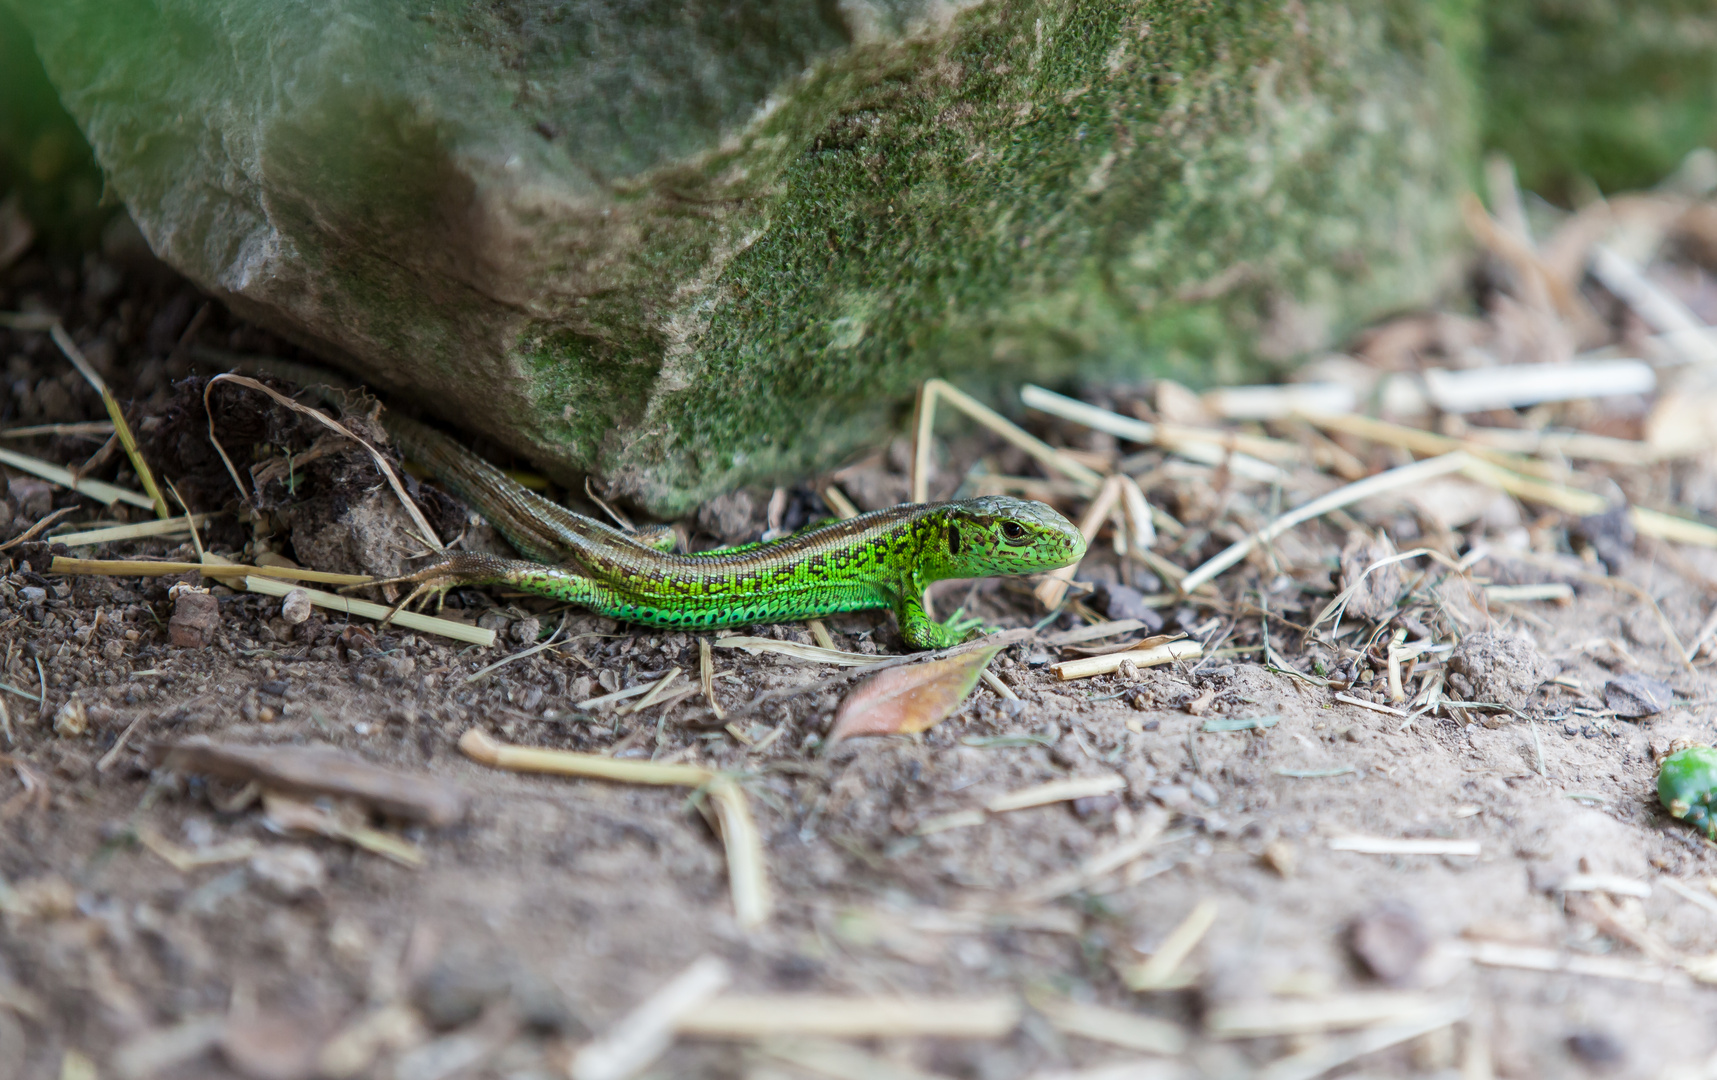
column 996, row 534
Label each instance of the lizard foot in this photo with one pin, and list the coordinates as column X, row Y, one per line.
column 435, row 580
column 921, row 633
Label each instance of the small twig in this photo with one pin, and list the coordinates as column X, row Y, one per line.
column 548, row 642
column 706, row 673
column 112, row 755
column 38, row 528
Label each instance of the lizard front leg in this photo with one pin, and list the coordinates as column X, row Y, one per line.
column 919, row 629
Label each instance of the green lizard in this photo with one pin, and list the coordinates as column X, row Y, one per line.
column 877, row 560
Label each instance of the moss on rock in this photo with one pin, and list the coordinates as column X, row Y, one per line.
column 687, row 247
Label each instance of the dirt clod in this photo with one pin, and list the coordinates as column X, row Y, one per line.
column 196, row 617
column 1376, row 594
column 1497, row 667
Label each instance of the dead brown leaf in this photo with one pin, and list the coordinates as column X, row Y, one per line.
column 912, row 698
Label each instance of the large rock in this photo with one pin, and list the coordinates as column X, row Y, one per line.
column 685, row 246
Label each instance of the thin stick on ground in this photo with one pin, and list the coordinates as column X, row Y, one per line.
column 64, row 564
column 1046, row 455
column 547, row 643
column 706, row 674
column 38, row 528
column 120, row 427
column 411, row 620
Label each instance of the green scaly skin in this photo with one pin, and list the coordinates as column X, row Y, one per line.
column 883, row 559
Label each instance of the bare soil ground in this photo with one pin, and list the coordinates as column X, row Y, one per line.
column 157, row 925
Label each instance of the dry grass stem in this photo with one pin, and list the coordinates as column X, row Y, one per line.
column 63, row 564
column 96, row 428
column 1539, row 958
column 1385, row 845
column 706, row 675
column 747, row 875
column 1661, row 311
column 479, row 746
column 1147, row 834
column 1305, row 1016
column 1317, row 1060
column 644, row 1033
column 1692, row 896
column 1394, row 480
column 38, row 528
column 1516, row 386
column 1046, row 455
column 1160, row 970
column 1514, row 594
column 839, row 503
column 1087, row 666
column 838, row 1061
column 1279, row 402
column 815, row 653
column 1055, row 791
column 820, row 634
column 1612, row 884
column 99, row 490
column 994, row 682
column 136, row 531
column 547, row 643
column 185, row 860
column 291, row 815
column 1374, row 706
column 114, row 412
column 1207, row 446
column 1093, row 632
column 764, row 1016
column 411, row 620
column 652, row 695
column 1117, row 1027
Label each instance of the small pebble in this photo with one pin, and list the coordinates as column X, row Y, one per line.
column 32, row 594
column 289, row 872
column 1597, row 1048
column 295, row 606
column 72, row 719
column 526, row 631
column 1390, row 941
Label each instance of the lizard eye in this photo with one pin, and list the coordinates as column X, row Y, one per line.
column 1013, row 530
